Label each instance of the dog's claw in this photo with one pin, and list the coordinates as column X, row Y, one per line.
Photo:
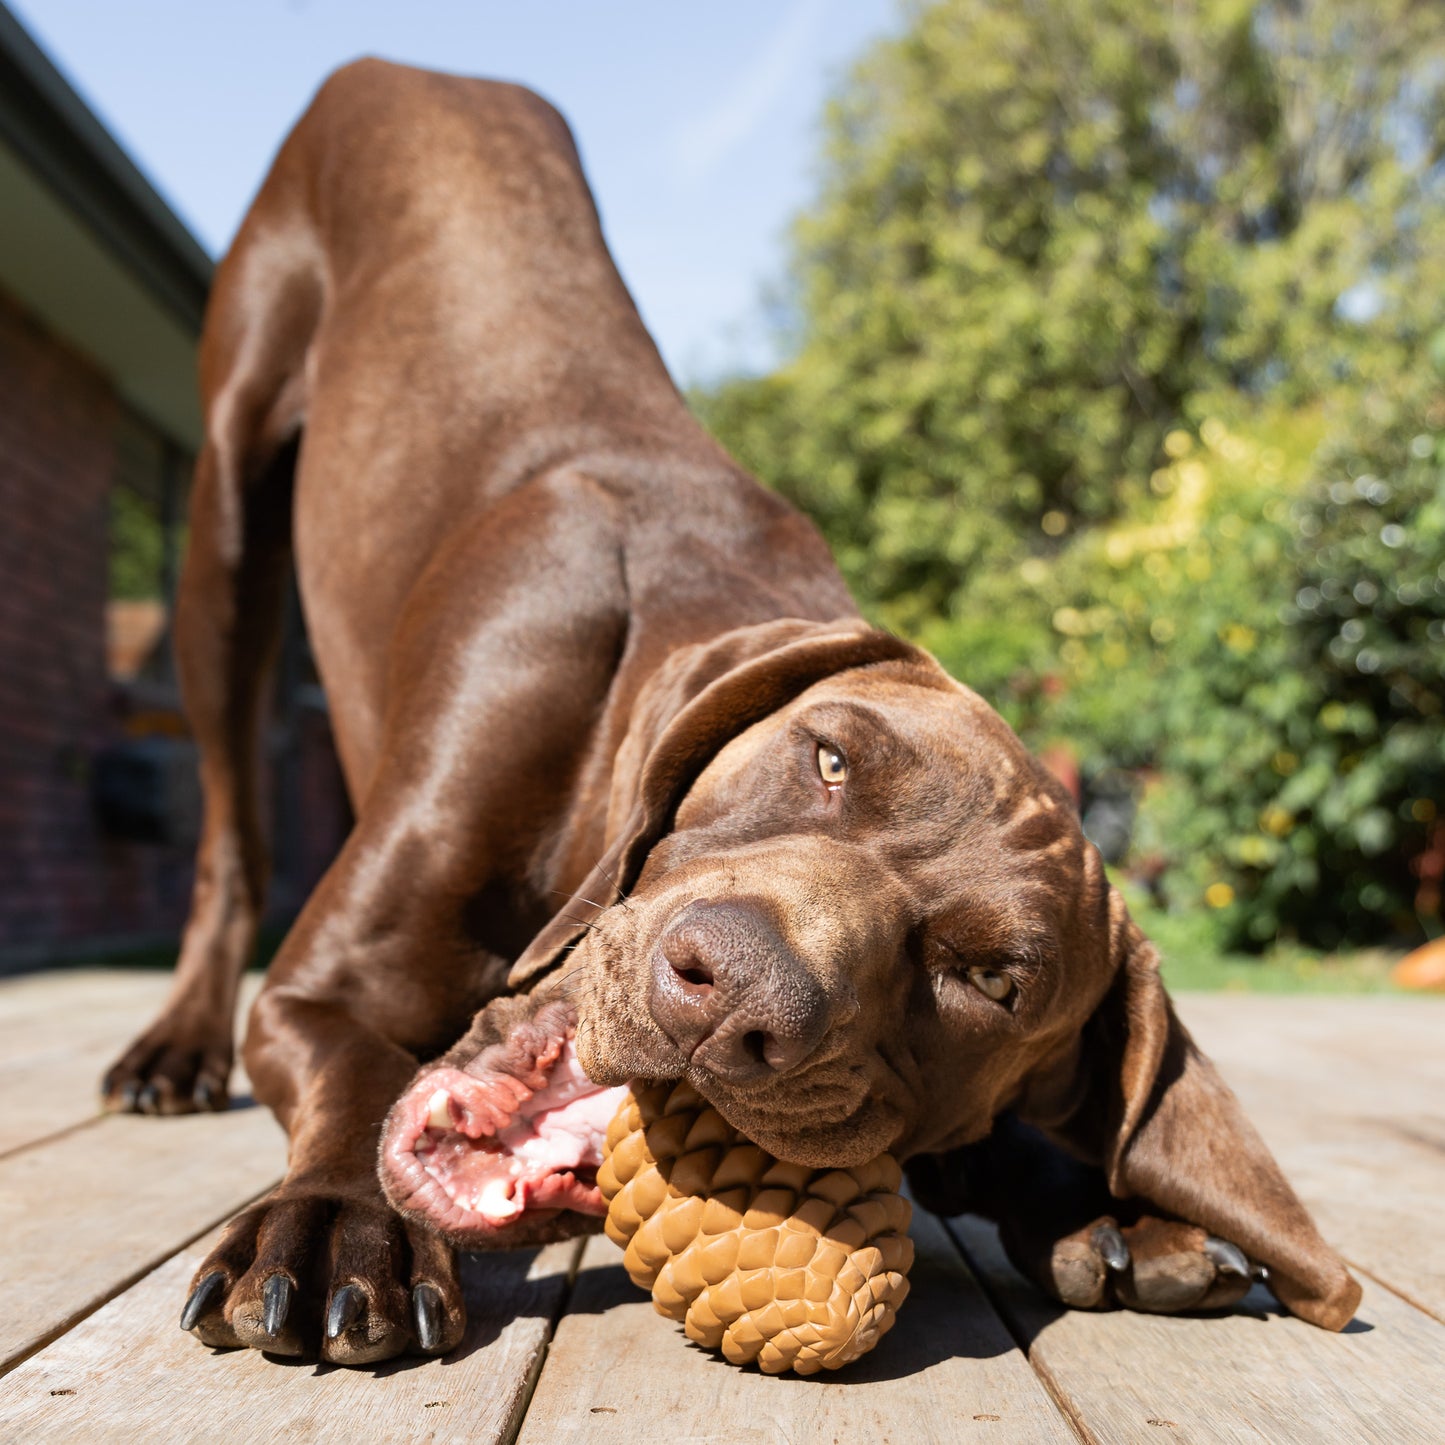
column 149, row 1099
column 1259, row 1273
column 348, row 1305
column 202, row 1298
column 204, row 1094
column 129, row 1095
column 426, row 1308
column 1111, row 1247
column 1227, row 1258
column 276, row 1300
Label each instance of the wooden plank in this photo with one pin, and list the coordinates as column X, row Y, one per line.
column 618, row 1371
column 1350, row 1096
column 127, row 1373
column 1248, row 1376
column 84, row 1214
column 59, row 1032
column 77, row 991
column 1362, row 1057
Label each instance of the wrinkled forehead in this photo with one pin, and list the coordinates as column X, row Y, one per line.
column 927, row 723
column 944, row 773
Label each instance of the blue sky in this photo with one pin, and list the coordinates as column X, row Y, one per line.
column 698, row 122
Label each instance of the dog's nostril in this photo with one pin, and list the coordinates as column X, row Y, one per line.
column 690, row 964
column 755, row 1046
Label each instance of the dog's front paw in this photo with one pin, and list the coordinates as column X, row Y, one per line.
column 1159, row 1266
column 344, row 1279
column 172, row 1068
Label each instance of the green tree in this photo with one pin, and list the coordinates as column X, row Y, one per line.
column 1044, row 228
column 1110, row 381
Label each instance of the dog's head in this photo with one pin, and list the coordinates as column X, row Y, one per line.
column 859, row 922
column 845, row 903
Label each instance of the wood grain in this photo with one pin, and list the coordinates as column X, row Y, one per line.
column 58, row 1033
column 1350, row 1096
column 1249, row 1376
column 87, row 1212
column 128, row 1374
column 617, row 1371
column 1350, row 1093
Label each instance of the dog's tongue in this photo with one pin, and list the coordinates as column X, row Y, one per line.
column 545, row 1158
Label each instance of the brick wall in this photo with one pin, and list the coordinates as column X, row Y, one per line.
column 64, row 885
column 57, row 430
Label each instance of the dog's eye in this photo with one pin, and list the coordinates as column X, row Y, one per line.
column 991, row 983
column 832, row 766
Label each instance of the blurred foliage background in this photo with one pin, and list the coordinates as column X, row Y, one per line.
column 1117, row 379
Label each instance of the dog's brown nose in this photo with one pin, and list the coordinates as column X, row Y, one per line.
column 730, row 993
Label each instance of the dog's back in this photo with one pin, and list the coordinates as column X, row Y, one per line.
column 422, row 289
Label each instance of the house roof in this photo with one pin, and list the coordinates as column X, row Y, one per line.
column 90, row 247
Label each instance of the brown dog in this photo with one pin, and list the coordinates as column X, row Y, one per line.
column 572, row 652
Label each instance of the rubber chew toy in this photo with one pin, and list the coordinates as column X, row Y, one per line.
column 791, row 1267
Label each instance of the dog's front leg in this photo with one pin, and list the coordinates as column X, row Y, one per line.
column 1062, row 1228
column 501, row 671
column 323, row 1265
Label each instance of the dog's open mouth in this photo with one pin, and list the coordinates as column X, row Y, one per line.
column 490, row 1152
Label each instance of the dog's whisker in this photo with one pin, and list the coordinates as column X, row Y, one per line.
column 622, row 894
column 580, row 922
column 562, row 893
column 563, row 986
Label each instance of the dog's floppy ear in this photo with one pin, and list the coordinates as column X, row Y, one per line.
column 703, row 696
column 1141, row 1100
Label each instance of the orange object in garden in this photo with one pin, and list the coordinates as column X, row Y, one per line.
column 1422, row 969
column 776, row 1264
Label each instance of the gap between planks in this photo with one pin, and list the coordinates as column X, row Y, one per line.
column 617, row 1372
column 82, row 1221
column 59, row 1033
column 1339, row 1089
column 88, row 1201
column 1251, row 1374
column 1272, row 1054
column 127, row 1373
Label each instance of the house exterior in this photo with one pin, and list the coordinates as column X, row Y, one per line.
column 102, row 293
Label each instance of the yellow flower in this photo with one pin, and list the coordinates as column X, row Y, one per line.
column 1276, row 820
column 1219, row 895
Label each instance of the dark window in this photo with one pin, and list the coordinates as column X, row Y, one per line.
column 146, row 540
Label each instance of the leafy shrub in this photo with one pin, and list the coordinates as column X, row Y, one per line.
column 1110, row 385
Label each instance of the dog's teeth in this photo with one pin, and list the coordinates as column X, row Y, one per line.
column 496, row 1201
column 439, row 1115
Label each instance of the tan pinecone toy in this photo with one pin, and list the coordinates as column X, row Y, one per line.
column 795, row 1268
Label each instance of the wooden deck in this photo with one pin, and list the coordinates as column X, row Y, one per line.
column 102, row 1221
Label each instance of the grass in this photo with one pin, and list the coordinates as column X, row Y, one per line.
column 1191, row 959
column 1284, row 970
